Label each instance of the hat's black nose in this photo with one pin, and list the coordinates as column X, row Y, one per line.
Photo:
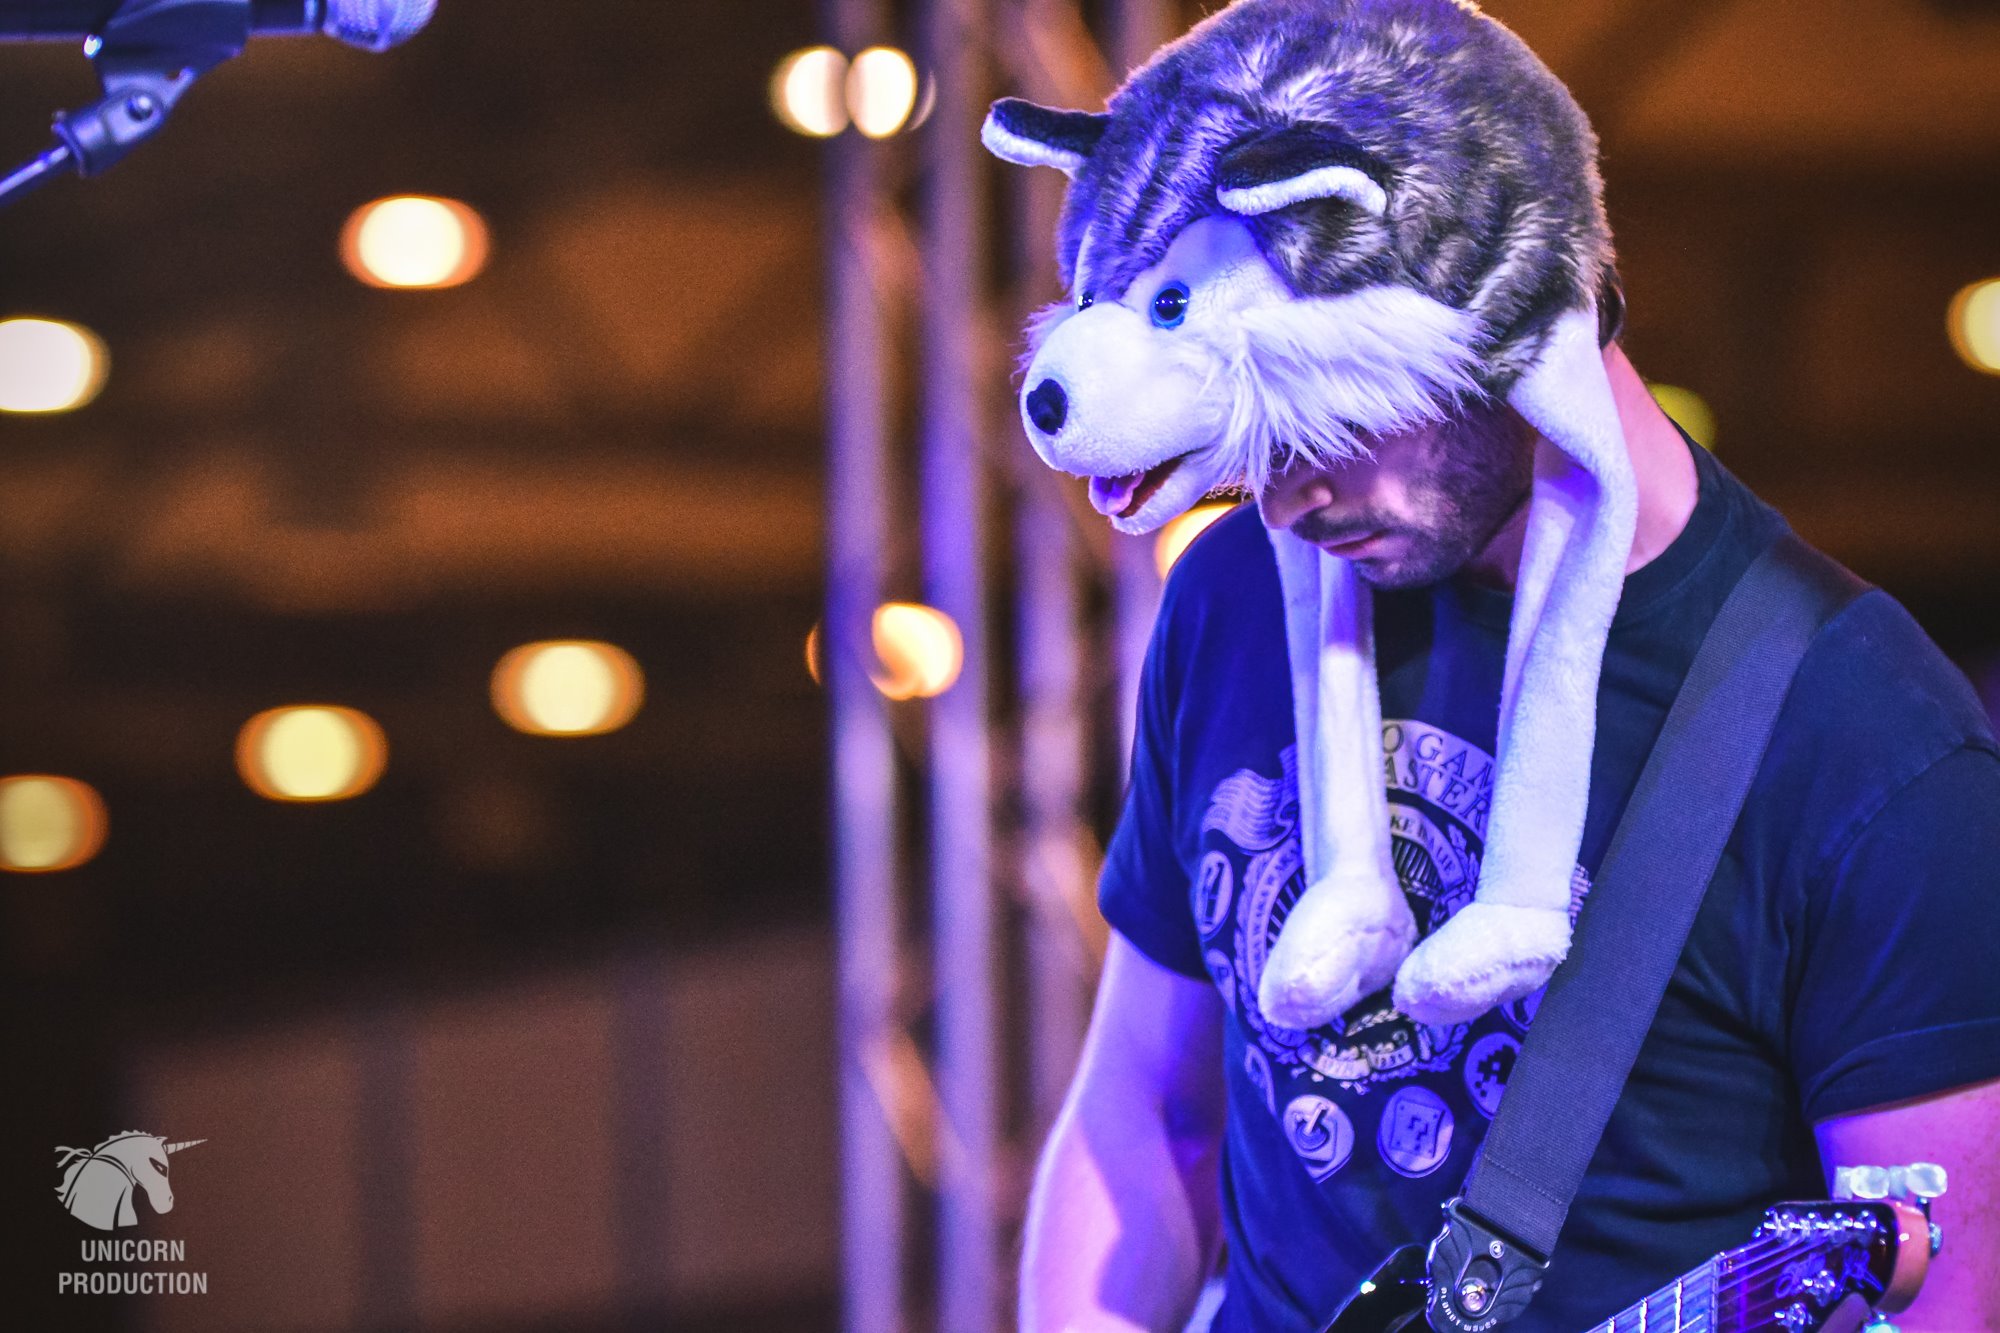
column 1048, row 406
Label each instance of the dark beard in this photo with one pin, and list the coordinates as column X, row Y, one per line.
column 1474, row 475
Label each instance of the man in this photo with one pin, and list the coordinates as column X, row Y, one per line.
column 1353, row 253
column 1831, row 1007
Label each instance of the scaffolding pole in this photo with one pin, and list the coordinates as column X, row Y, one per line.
column 1058, row 936
column 953, row 502
column 1059, row 931
column 865, row 862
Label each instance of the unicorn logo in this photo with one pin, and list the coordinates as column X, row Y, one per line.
column 97, row 1184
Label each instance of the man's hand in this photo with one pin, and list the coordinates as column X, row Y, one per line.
column 1124, row 1220
column 1960, row 1131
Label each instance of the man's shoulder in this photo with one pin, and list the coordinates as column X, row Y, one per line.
column 1872, row 682
column 1873, row 672
column 1228, row 565
column 1225, row 548
column 1874, row 705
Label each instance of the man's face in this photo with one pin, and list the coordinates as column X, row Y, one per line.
column 1429, row 500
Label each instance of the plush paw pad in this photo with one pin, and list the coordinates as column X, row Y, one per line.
column 1486, row 955
column 1342, row 940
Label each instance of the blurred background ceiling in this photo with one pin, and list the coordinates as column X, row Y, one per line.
column 298, row 488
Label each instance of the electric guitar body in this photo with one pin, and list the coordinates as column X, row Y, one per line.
column 1392, row 1300
column 1810, row 1268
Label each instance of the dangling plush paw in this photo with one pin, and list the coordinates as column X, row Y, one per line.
column 1488, row 954
column 1343, row 940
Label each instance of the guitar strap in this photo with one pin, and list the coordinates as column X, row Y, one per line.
column 1587, row 1032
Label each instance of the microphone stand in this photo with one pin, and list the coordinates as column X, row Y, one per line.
column 34, row 172
column 149, row 54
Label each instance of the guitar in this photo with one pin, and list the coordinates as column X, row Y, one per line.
column 1823, row 1267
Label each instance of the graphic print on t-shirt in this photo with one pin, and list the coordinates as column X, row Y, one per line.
column 1415, row 1136
column 1250, row 874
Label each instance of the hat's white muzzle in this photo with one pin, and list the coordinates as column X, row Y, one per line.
column 1110, row 398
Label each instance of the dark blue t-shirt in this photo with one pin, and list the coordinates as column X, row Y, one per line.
column 1843, row 958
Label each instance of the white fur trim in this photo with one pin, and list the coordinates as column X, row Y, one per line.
column 1010, row 147
column 1336, row 182
column 1580, row 524
column 1310, row 373
column 1352, row 927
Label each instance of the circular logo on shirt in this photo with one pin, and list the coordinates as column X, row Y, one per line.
column 1320, row 1133
column 1438, row 867
column 1252, row 872
column 1415, row 1135
column 1488, row 1066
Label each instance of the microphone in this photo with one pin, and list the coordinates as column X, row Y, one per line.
column 149, row 52
column 372, row 25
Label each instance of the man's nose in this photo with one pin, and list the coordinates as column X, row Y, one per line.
column 1292, row 494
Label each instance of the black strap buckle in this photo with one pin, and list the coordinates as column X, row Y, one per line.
column 1480, row 1279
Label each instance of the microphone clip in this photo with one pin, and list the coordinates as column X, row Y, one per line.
column 149, row 54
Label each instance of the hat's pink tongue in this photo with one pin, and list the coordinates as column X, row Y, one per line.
column 1110, row 495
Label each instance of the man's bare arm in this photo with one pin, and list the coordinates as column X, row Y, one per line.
column 1959, row 1130
column 1124, row 1219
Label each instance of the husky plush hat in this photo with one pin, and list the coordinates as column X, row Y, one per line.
column 1310, row 222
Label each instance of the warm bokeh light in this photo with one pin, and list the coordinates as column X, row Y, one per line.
column 918, row 648
column 1174, row 537
column 567, row 687
column 1688, row 408
column 48, row 823
column 414, row 242
column 881, row 91
column 311, row 752
column 926, row 103
column 1975, row 325
column 812, row 656
column 807, row 91
column 49, row 366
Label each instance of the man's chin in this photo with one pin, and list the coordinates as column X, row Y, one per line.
column 1394, row 571
column 1392, row 576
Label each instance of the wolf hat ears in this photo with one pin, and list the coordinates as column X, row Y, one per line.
column 1298, row 163
column 1418, row 149
column 1265, row 172
column 1027, row 135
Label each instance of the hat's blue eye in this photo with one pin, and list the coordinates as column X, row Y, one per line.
column 1086, row 301
column 1170, row 305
